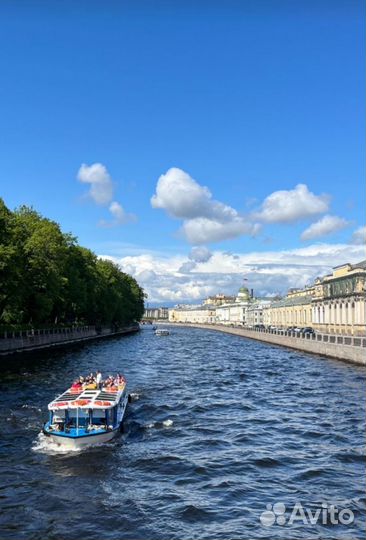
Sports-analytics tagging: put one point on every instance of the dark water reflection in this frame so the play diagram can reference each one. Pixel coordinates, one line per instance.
(220, 427)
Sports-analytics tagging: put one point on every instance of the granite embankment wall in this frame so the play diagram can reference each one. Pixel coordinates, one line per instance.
(347, 348)
(36, 340)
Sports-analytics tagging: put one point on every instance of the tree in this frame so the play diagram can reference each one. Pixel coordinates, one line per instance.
(47, 278)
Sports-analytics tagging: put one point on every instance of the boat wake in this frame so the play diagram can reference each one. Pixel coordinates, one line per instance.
(31, 407)
(44, 445)
(165, 423)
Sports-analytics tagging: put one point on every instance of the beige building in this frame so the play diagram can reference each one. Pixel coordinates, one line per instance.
(204, 314)
(218, 300)
(222, 310)
(293, 310)
(339, 303)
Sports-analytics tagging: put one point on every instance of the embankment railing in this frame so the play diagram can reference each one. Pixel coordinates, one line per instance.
(338, 339)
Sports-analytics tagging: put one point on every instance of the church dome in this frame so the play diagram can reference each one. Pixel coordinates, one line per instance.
(243, 294)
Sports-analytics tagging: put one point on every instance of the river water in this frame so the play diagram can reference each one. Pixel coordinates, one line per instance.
(220, 427)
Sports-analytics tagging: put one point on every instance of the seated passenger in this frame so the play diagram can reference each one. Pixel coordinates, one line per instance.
(121, 378)
(76, 385)
(90, 386)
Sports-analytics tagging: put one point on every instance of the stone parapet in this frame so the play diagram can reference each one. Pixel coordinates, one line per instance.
(347, 348)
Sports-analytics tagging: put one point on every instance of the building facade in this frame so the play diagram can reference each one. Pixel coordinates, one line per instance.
(235, 313)
(255, 313)
(218, 300)
(335, 304)
(202, 314)
(295, 309)
(156, 313)
(339, 303)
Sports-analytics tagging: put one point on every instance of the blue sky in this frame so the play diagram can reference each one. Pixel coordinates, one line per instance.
(247, 98)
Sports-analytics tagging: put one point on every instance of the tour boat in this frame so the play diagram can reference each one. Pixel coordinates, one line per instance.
(83, 417)
(162, 332)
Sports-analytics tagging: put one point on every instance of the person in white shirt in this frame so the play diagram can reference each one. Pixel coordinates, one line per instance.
(98, 379)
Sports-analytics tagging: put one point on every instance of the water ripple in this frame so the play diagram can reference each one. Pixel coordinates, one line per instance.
(219, 427)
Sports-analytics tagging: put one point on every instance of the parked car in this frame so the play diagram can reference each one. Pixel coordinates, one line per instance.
(307, 330)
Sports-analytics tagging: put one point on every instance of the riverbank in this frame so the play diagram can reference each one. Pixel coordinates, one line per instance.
(28, 342)
(348, 349)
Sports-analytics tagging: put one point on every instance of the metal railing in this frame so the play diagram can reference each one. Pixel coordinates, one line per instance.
(353, 341)
(27, 339)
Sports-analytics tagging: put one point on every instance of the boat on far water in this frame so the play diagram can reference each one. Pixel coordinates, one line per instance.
(86, 415)
(162, 332)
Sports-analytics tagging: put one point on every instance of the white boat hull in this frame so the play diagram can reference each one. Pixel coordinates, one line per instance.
(77, 443)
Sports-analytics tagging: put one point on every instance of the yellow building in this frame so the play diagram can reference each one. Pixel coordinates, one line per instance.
(339, 303)
(218, 300)
(293, 310)
(205, 314)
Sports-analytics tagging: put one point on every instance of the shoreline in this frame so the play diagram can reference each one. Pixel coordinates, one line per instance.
(348, 353)
(31, 344)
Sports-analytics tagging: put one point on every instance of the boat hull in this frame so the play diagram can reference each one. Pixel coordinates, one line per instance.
(77, 443)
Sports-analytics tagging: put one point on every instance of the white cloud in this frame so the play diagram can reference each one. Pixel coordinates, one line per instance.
(187, 267)
(205, 219)
(325, 226)
(101, 185)
(203, 230)
(287, 206)
(120, 216)
(197, 255)
(359, 236)
(200, 254)
(170, 279)
(181, 196)
(101, 191)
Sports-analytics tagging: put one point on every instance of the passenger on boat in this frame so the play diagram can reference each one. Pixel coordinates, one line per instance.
(76, 385)
(109, 382)
(98, 380)
(120, 379)
(90, 385)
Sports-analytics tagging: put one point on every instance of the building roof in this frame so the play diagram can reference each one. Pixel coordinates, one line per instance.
(203, 307)
(361, 264)
(294, 301)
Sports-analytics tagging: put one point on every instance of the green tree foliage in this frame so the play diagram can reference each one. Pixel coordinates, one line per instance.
(47, 278)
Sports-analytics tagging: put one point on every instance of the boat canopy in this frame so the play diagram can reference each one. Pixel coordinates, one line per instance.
(106, 398)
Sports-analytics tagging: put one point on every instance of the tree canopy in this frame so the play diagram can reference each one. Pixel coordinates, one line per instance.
(47, 278)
